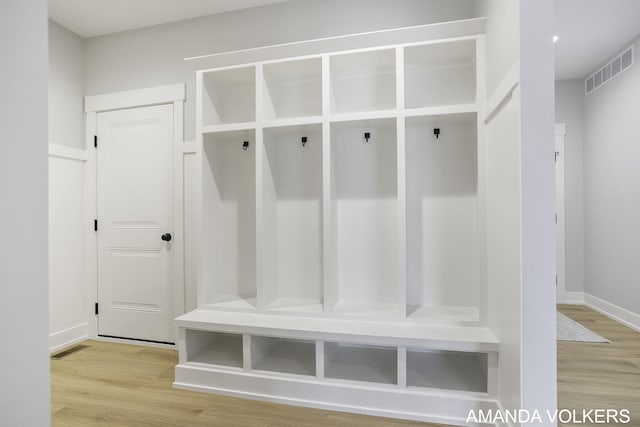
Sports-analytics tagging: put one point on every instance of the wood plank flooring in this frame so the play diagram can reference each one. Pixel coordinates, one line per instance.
(112, 384)
(126, 385)
(596, 375)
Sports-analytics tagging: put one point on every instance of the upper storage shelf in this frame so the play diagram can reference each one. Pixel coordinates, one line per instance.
(292, 89)
(229, 96)
(364, 81)
(440, 74)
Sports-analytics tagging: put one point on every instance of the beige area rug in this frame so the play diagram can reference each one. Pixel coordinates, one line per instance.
(570, 330)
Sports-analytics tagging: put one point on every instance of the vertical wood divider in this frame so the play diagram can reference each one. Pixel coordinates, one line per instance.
(246, 352)
(260, 159)
(320, 360)
(201, 290)
(328, 242)
(492, 374)
(402, 367)
(401, 185)
(481, 185)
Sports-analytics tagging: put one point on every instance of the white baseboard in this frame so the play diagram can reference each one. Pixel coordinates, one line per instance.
(572, 298)
(613, 311)
(67, 337)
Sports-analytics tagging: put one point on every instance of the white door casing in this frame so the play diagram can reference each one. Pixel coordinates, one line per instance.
(135, 209)
(171, 97)
(560, 220)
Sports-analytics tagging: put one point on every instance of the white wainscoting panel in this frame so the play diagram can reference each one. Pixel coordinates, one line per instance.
(67, 258)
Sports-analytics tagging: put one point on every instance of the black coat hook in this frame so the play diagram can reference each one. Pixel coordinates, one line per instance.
(245, 145)
(367, 135)
(436, 132)
(303, 140)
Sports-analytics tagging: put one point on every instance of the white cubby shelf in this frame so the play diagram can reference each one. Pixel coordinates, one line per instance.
(341, 232)
(304, 356)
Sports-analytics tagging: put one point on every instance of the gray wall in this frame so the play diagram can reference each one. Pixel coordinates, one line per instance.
(612, 190)
(569, 110)
(66, 87)
(24, 359)
(154, 56)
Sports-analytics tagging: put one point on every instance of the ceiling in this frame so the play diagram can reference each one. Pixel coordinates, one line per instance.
(89, 18)
(590, 31)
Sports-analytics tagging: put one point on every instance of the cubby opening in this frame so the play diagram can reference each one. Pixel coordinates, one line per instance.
(229, 219)
(440, 74)
(214, 348)
(283, 355)
(442, 222)
(364, 207)
(229, 96)
(292, 218)
(293, 89)
(361, 363)
(364, 81)
(447, 370)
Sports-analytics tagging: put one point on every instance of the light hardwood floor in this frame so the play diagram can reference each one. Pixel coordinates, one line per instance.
(600, 376)
(128, 385)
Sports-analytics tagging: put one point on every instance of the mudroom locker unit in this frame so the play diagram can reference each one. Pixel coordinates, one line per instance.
(342, 226)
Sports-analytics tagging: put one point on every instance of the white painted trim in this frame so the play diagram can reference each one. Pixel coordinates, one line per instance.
(478, 24)
(91, 241)
(502, 94)
(69, 153)
(434, 406)
(499, 423)
(178, 214)
(135, 98)
(560, 211)
(137, 343)
(619, 314)
(66, 337)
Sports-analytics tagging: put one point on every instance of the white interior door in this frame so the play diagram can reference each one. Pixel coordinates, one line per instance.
(560, 239)
(135, 214)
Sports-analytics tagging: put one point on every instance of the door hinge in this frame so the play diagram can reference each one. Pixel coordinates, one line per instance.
(95, 141)
(95, 225)
(96, 309)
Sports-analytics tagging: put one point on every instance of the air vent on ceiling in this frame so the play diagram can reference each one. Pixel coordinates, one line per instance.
(611, 70)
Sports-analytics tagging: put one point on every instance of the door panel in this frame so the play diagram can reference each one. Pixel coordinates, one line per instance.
(135, 208)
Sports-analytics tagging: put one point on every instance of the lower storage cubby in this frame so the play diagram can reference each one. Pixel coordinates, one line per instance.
(283, 355)
(361, 363)
(447, 370)
(214, 348)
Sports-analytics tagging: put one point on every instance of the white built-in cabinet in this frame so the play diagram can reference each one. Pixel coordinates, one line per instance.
(341, 233)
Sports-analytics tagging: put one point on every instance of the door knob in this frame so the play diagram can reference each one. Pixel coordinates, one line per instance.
(166, 237)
